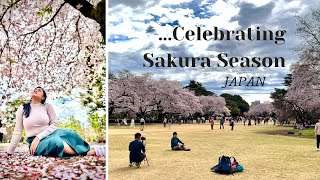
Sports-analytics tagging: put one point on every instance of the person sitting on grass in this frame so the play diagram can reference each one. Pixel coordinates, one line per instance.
(40, 122)
(137, 151)
(175, 143)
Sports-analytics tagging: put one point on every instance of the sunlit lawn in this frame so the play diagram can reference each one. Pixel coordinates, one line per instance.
(263, 156)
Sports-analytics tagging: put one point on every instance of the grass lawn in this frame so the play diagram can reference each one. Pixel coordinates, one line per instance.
(305, 132)
(264, 156)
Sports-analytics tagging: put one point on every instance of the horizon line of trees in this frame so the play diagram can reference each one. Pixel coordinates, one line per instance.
(133, 95)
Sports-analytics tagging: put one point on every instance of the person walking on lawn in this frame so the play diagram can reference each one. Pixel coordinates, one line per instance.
(317, 133)
(44, 137)
(222, 122)
(212, 122)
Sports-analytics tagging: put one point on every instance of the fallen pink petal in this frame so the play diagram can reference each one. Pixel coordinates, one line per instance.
(22, 165)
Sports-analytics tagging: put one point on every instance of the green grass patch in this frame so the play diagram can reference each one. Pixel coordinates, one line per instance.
(305, 132)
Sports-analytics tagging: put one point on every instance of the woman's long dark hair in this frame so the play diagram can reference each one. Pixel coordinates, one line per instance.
(27, 107)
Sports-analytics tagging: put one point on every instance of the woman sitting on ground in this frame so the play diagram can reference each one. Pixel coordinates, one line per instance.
(45, 138)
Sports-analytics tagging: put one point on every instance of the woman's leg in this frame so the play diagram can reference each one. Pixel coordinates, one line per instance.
(68, 150)
(91, 152)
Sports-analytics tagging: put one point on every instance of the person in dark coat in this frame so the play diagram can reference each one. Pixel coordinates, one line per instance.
(137, 151)
(1, 134)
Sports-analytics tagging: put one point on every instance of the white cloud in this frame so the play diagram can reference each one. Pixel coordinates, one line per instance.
(133, 23)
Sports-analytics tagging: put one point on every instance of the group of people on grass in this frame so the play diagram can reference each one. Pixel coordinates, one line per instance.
(168, 121)
(132, 124)
(138, 150)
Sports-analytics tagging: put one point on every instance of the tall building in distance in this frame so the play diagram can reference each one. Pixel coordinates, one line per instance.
(257, 102)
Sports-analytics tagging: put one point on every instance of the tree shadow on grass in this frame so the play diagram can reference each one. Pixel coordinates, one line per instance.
(285, 133)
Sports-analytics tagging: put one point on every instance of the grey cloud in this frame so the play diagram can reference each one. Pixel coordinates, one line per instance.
(250, 14)
(133, 3)
(150, 29)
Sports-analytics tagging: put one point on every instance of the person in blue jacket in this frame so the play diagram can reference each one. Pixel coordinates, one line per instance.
(175, 143)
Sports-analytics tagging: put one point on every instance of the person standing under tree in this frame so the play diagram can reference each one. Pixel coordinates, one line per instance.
(222, 122)
(132, 123)
(164, 122)
(1, 134)
(212, 122)
(142, 122)
(232, 121)
(317, 133)
(124, 122)
(170, 122)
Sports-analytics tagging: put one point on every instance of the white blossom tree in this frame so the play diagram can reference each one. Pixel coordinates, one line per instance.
(142, 94)
(304, 92)
(54, 44)
(263, 109)
(213, 104)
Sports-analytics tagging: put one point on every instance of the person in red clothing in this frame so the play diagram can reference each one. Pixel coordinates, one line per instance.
(212, 122)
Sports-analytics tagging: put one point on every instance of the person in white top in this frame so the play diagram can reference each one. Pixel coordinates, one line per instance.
(142, 122)
(317, 133)
(132, 123)
(40, 122)
(164, 122)
(124, 122)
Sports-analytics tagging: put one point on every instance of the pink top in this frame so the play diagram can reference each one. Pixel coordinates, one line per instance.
(41, 122)
(212, 121)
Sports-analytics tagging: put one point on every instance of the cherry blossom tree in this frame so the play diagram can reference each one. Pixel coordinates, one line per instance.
(54, 44)
(304, 92)
(213, 104)
(263, 109)
(131, 94)
(142, 94)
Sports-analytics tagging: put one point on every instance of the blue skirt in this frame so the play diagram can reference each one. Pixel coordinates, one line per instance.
(52, 145)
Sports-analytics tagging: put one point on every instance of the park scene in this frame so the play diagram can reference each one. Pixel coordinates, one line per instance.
(52, 89)
(178, 123)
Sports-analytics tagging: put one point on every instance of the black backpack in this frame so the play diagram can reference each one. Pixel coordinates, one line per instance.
(224, 165)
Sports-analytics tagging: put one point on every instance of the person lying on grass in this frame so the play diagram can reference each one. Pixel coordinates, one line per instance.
(40, 122)
(175, 143)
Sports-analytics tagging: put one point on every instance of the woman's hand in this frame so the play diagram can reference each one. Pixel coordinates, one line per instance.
(34, 145)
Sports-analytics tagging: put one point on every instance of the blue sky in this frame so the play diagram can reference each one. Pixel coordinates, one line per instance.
(135, 28)
(67, 107)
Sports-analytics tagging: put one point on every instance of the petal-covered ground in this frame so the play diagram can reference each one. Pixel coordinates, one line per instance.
(22, 165)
